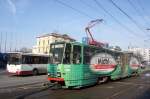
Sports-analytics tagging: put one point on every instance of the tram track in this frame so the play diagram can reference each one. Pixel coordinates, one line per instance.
(119, 93)
(46, 86)
(21, 85)
(129, 83)
(38, 88)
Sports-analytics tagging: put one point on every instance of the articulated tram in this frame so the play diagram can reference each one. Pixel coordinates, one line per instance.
(74, 65)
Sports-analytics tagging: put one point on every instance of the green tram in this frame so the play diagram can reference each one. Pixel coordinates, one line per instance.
(74, 65)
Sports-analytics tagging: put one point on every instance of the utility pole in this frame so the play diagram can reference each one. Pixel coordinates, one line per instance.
(16, 41)
(1, 42)
(11, 42)
(5, 42)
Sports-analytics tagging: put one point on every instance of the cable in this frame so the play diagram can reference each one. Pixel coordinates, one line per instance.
(138, 12)
(123, 26)
(129, 17)
(116, 20)
(82, 13)
(139, 3)
(86, 4)
(93, 8)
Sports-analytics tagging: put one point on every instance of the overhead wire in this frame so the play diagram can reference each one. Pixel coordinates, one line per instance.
(140, 4)
(124, 27)
(128, 16)
(116, 20)
(90, 6)
(81, 12)
(142, 8)
(87, 15)
(138, 12)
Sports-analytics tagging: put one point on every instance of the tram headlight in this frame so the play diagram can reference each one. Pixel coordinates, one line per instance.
(49, 74)
(58, 74)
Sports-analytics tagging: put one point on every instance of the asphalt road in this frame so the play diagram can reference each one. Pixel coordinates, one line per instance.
(128, 88)
(8, 80)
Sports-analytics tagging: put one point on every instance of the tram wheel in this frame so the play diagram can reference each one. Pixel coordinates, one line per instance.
(102, 80)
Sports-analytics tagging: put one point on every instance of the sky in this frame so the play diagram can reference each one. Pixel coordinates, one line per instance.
(21, 21)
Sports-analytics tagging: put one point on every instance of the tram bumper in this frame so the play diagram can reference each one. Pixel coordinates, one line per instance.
(56, 79)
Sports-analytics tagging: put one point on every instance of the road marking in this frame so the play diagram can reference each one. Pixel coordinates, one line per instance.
(110, 87)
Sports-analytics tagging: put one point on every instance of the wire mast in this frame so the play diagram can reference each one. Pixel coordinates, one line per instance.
(91, 40)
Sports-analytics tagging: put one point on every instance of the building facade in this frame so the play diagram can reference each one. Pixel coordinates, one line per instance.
(43, 42)
(144, 52)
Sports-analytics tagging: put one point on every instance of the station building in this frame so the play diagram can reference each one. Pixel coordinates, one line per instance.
(43, 42)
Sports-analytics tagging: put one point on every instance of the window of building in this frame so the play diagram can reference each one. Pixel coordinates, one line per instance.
(48, 42)
(39, 50)
(43, 42)
(39, 43)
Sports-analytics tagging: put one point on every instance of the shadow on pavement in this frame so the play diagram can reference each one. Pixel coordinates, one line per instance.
(145, 95)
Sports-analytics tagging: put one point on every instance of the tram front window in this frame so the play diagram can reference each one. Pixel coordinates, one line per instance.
(57, 53)
(67, 54)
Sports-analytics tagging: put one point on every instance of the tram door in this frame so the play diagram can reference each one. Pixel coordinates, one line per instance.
(124, 62)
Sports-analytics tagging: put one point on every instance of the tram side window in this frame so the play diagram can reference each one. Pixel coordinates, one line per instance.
(77, 54)
(86, 55)
(88, 52)
(66, 59)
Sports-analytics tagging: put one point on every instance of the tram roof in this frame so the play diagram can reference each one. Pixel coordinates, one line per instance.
(82, 44)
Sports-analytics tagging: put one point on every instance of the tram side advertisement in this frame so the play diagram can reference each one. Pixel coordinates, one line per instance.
(103, 63)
